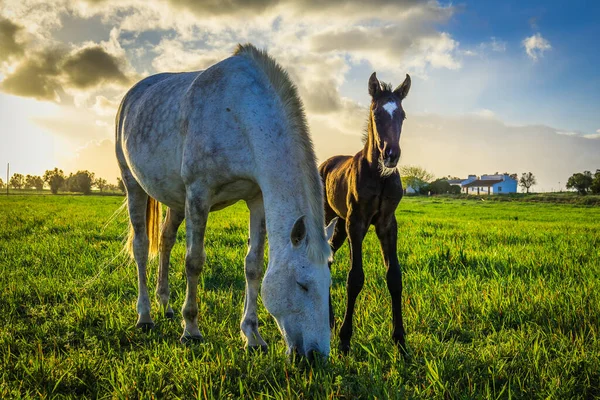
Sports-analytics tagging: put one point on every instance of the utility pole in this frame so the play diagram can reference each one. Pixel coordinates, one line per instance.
(7, 172)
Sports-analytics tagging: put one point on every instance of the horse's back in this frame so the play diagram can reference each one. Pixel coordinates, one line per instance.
(332, 164)
(196, 128)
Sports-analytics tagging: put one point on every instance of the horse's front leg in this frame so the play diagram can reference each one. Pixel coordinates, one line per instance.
(356, 230)
(167, 240)
(387, 232)
(253, 269)
(196, 216)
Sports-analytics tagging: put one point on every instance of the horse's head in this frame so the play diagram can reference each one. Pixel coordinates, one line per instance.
(387, 116)
(295, 290)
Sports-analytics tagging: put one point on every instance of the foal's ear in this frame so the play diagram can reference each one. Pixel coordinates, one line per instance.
(374, 86)
(331, 228)
(402, 90)
(298, 232)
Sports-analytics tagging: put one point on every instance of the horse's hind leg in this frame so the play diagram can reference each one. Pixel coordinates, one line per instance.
(168, 236)
(336, 241)
(137, 201)
(253, 269)
(196, 215)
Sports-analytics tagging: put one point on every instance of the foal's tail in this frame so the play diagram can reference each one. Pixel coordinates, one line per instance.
(153, 222)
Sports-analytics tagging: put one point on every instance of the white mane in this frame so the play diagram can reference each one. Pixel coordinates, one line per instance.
(318, 247)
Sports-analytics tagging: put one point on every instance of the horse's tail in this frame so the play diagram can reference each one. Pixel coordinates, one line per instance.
(153, 222)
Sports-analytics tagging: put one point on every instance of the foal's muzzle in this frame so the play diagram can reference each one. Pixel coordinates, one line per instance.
(391, 157)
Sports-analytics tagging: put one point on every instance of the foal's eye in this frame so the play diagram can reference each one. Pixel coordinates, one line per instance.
(304, 287)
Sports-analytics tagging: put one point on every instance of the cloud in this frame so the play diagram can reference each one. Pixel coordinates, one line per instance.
(105, 107)
(535, 46)
(495, 45)
(567, 133)
(392, 46)
(46, 74)
(485, 113)
(91, 66)
(36, 76)
(593, 135)
(175, 56)
(9, 39)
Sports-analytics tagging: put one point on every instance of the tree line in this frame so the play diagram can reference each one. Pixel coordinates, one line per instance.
(56, 180)
(585, 182)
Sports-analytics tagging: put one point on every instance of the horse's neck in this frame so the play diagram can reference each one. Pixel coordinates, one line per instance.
(370, 151)
(285, 200)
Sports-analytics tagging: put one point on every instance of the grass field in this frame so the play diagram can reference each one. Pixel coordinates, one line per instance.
(501, 300)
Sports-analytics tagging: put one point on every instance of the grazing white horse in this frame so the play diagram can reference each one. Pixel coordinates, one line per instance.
(200, 141)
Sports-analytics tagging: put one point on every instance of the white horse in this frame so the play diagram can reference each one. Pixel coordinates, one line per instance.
(200, 141)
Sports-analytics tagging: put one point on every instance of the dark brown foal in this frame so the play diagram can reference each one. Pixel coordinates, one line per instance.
(364, 190)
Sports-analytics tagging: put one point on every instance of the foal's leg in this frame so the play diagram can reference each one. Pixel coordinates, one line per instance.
(196, 216)
(137, 201)
(253, 268)
(337, 240)
(387, 232)
(168, 236)
(356, 278)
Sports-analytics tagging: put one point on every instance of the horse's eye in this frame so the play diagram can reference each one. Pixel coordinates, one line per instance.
(304, 287)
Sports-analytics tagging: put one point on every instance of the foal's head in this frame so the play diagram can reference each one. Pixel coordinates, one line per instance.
(387, 116)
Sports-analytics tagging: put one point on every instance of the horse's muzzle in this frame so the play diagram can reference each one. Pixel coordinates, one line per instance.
(391, 157)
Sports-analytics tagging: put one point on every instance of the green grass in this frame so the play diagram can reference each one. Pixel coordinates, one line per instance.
(501, 300)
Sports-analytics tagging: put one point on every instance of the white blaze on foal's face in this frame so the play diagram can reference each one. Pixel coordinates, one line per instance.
(295, 291)
(390, 108)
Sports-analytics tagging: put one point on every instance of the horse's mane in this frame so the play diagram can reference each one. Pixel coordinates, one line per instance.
(318, 247)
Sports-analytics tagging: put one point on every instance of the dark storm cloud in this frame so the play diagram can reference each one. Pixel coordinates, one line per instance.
(36, 76)
(9, 45)
(44, 74)
(92, 66)
(230, 7)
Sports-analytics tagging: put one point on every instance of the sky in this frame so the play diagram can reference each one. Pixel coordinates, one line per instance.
(511, 86)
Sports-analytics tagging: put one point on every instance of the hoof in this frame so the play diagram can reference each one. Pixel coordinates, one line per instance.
(145, 326)
(190, 340)
(401, 345)
(261, 348)
(344, 348)
(170, 315)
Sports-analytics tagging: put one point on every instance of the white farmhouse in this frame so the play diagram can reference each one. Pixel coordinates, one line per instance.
(486, 184)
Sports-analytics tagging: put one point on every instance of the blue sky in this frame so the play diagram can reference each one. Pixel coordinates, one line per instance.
(497, 86)
(562, 88)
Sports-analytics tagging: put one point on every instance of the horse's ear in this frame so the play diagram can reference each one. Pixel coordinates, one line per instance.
(374, 86)
(298, 232)
(402, 90)
(331, 228)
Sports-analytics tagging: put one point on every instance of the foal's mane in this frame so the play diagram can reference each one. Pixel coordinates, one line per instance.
(318, 247)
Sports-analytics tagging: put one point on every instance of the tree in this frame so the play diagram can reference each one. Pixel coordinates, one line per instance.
(81, 182)
(34, 181)
(527, 180)
(1, 184)
(101, 184)
(17, 181)
(55, 179)
(440, 186)
(595, 183)
(121, 185)
(415, 177)
(581, 182)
